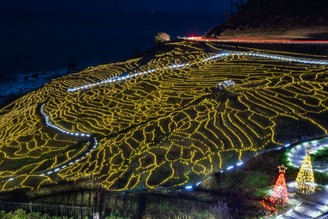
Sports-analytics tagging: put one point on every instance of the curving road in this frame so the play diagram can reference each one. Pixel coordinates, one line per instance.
(297, 154)
(314, 205)
(251, 40)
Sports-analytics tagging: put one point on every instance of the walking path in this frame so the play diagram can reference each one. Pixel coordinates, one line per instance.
(93, 143)
(316, 204)
(310, 206)
(297, 154)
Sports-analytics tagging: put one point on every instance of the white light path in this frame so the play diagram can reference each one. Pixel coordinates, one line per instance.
(63, 166)
(66, 164)
(216, 56)
(123, 78)
(296, 155)
(237, 165)
(71, 162)
(77, 134)
(50, 124)
(317, 207)
(188, 187)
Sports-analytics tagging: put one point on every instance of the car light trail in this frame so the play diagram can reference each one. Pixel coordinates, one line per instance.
(250, 40)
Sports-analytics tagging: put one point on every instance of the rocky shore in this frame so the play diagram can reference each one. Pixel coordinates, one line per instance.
(20, 84)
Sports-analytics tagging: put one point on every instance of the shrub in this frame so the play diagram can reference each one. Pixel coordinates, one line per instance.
(162, 37)
(21, 214)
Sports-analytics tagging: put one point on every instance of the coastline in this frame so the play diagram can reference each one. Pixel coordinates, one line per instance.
(20, 84)
(98, 39)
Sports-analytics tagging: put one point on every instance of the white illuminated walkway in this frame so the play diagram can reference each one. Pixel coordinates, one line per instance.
(51, 124)
(209, 58)
(309, 206)
(90, 148)
(297, 154)
(237, 165)
(314, 205)
(93, 145)
(74, 160)
(123, 78)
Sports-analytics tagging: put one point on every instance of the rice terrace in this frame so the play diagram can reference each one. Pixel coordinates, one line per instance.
(167, 120)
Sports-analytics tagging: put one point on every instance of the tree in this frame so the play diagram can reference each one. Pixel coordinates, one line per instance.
(162, 37)
(71, 67)
(305, 179)
(280, 195)
(239, 5)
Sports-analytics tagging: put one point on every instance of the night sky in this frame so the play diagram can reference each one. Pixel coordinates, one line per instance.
(118, 5)
(44, 35)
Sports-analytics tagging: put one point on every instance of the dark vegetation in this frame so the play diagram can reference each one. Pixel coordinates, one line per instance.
(276, 13)
(245, 188)
(156, 204)
(320, 161)
(302, 49)
(21, 214)
(321, 156)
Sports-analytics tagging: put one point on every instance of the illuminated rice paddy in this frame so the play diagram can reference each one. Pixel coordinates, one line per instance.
(163, 123)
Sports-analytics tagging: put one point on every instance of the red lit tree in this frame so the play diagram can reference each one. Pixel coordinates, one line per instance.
(280, 195)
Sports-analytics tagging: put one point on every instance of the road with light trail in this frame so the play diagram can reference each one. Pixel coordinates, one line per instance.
(252, 40)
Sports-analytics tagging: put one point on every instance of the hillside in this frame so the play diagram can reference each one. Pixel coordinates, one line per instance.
(273, 18)
(190, 110)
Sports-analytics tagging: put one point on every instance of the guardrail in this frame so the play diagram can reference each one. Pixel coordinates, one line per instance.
(53, 210)
(323, 216)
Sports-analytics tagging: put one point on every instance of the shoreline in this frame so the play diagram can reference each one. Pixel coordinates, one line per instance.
(20, 84)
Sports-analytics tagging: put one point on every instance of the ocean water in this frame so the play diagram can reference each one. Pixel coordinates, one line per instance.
(41, 42)
(36, 47)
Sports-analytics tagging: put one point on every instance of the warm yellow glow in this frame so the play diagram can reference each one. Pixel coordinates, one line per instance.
(162, 128)
(305, 179)
(282, 169)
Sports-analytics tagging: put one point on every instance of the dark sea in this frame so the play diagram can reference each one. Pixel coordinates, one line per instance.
(40, 42)
(37, 47)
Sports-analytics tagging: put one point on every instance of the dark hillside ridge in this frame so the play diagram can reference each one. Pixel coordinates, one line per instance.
(277, 13)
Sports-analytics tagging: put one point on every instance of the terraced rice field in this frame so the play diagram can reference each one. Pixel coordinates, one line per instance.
(164, 122)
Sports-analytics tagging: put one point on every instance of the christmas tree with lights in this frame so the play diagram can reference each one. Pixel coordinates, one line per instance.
(305, 179)
(280, 195)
